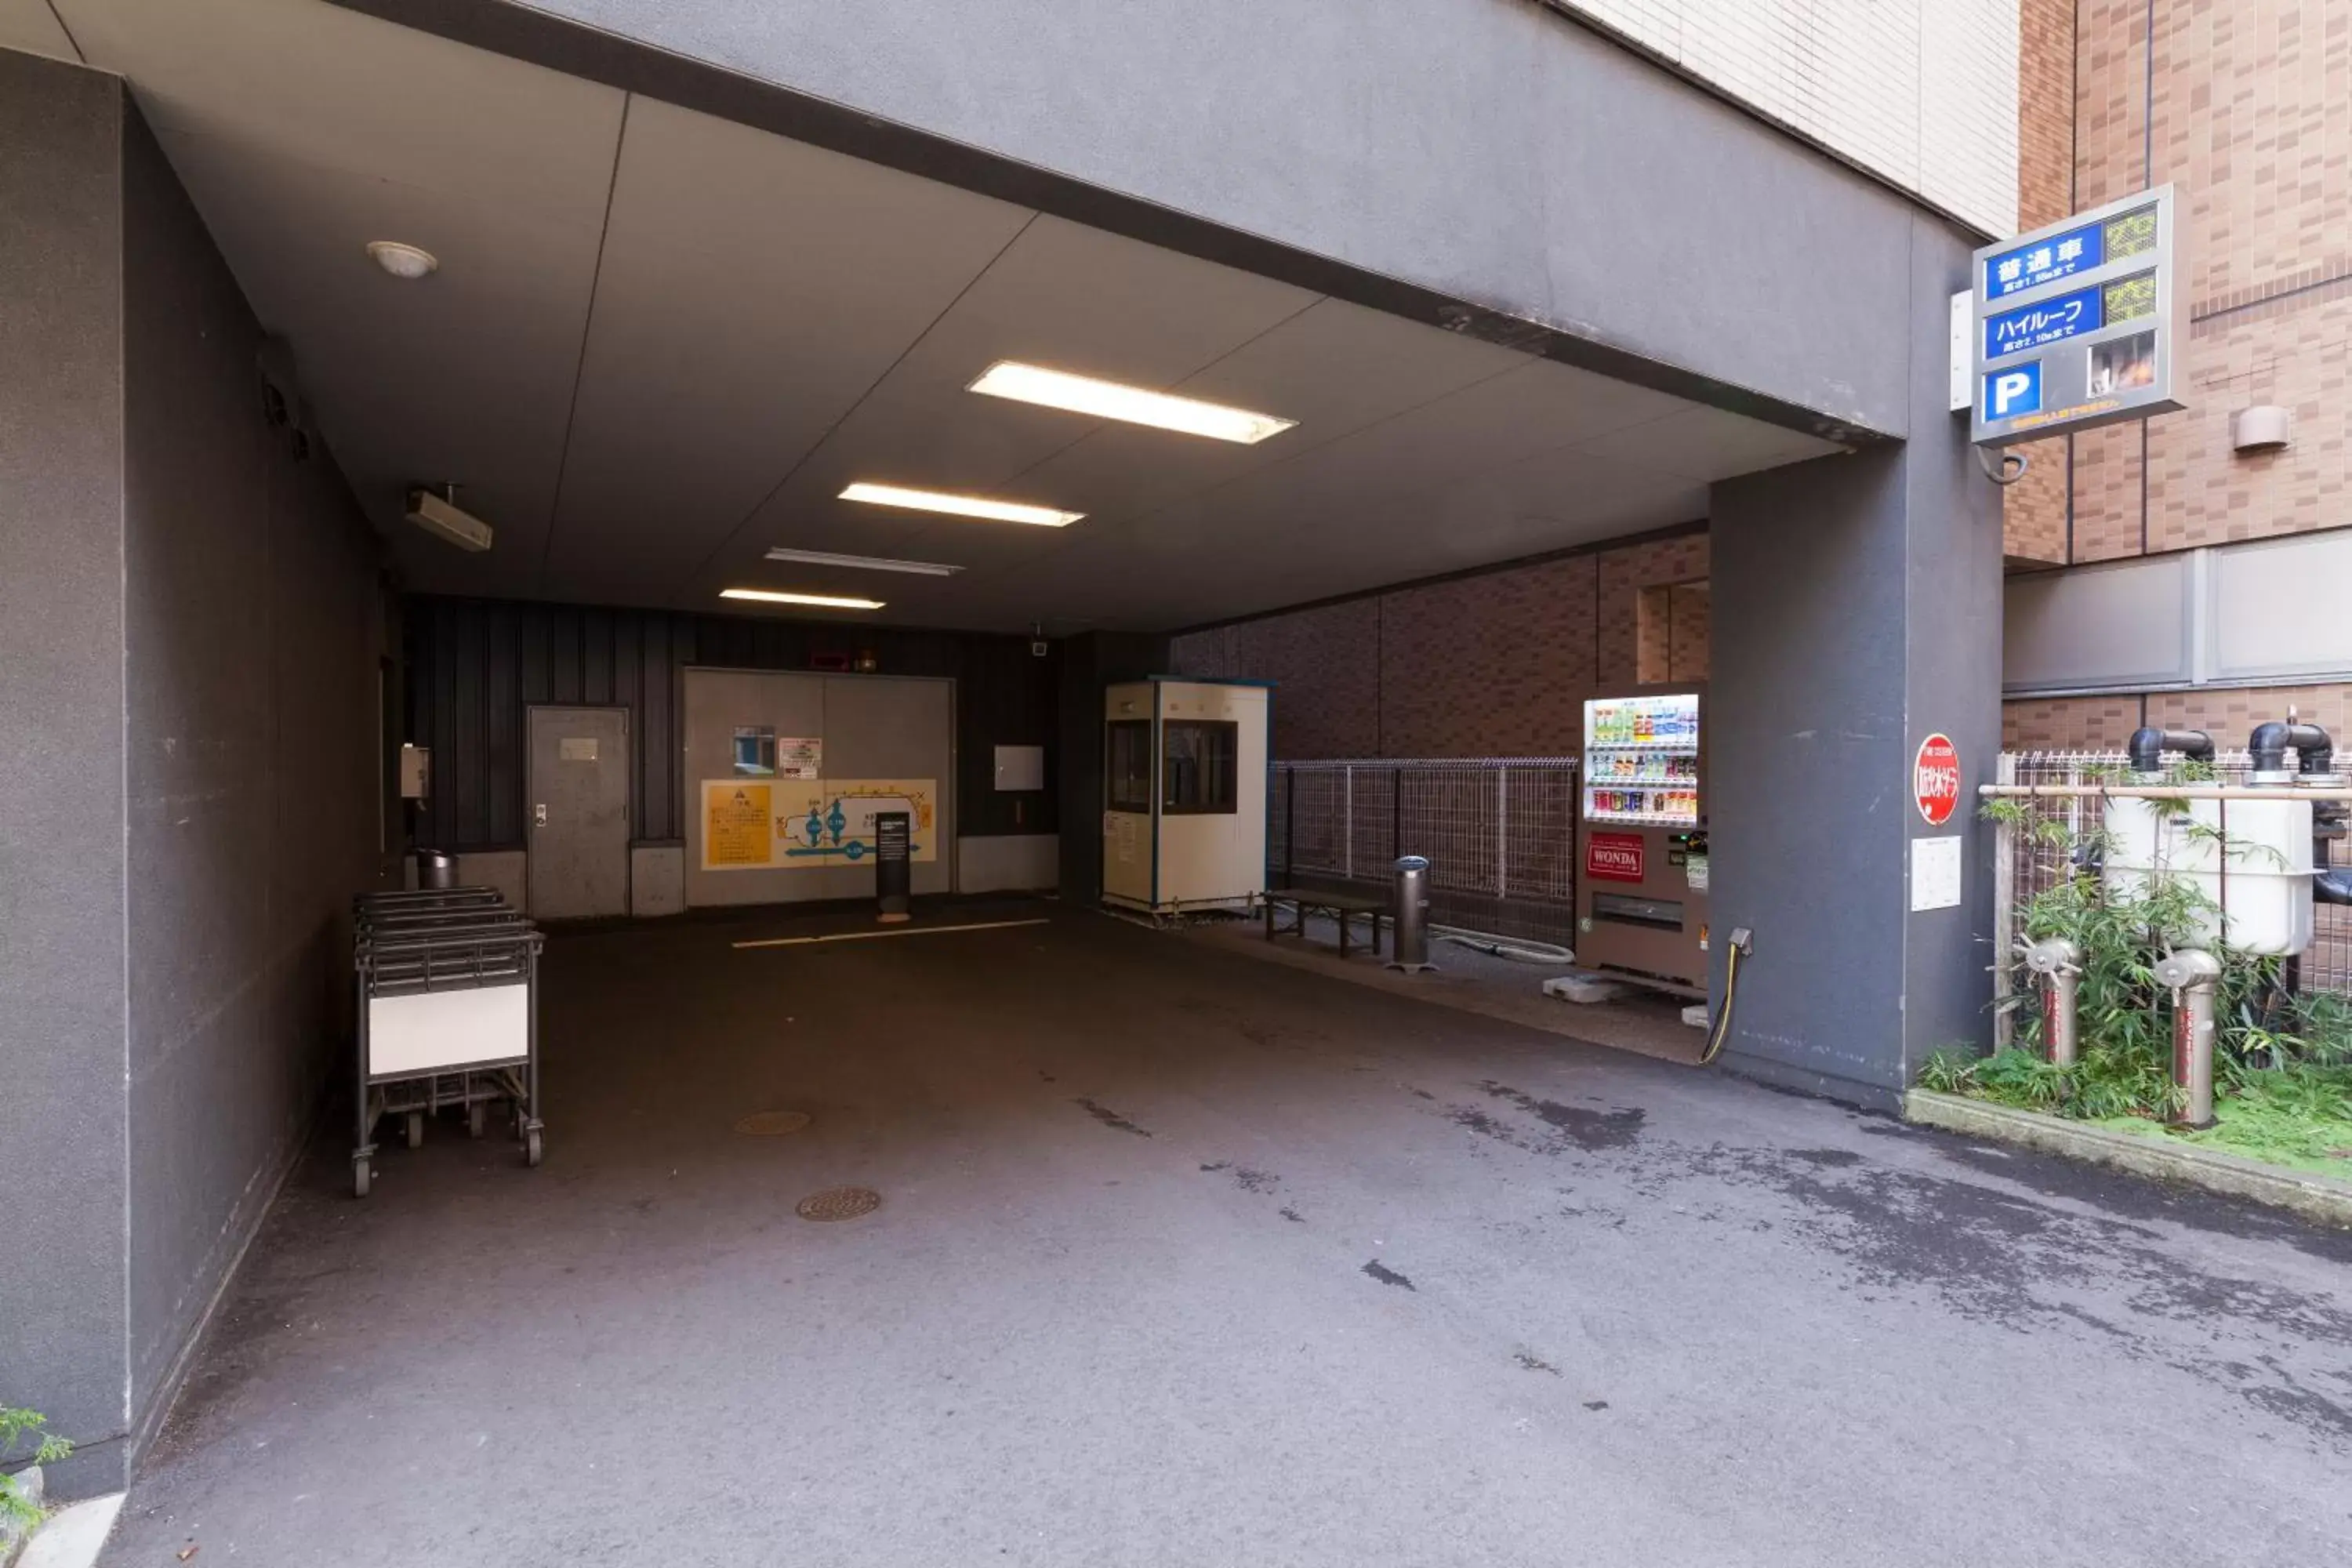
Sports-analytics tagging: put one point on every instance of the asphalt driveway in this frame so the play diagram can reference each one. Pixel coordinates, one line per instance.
(1183, 1258)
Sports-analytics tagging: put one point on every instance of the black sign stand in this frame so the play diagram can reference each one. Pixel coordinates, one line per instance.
(891, 832)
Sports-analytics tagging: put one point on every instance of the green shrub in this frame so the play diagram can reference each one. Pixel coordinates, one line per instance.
(24, 1442)
(2293, 1049)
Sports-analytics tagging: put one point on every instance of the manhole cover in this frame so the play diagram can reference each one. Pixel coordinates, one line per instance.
(772, 1123)
(839, 1203)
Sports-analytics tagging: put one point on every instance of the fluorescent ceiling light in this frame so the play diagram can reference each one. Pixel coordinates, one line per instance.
(961, 506)
(1109, 400)
(822, 601)
(864, 563)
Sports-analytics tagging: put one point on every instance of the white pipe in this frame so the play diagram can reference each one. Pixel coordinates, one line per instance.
(2159, 791)
(1505, 946)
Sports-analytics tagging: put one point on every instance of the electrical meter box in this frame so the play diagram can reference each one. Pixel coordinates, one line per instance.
(415, 771)
(1184, 771)
(1642, 864)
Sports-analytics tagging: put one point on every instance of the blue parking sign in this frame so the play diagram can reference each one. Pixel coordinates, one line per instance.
(2011, 392)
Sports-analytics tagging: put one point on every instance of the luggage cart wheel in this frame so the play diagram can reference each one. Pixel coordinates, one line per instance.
(416, 1129)
(359, 1177)
(478, 1118)
(530, 1147)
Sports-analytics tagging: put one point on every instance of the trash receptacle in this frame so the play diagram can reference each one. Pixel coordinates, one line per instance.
(436, 869)
(1409, 916)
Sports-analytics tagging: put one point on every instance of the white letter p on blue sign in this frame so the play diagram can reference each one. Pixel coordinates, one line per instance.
(2010, 393)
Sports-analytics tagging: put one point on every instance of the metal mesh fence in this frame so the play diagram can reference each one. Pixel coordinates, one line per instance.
(1499, 834)
(2032, 869)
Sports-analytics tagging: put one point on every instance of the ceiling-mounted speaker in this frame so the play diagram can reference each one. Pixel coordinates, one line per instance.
(442, 518)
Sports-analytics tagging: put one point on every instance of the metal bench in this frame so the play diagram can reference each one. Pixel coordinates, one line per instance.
(1343, 909)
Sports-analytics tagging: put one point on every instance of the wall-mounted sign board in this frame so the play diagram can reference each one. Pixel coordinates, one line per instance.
(2080, 325)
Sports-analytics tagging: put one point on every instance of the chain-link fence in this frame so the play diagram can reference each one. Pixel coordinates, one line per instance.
(2029, 864)
(1499, 834)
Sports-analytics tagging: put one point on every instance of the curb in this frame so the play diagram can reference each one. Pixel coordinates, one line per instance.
(2317, 1197)
(73, 1536)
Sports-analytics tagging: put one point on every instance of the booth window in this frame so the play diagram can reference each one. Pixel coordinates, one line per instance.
(1130, 764)
(1200, 775)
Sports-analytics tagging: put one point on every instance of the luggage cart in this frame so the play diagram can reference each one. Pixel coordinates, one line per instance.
(448, 1015)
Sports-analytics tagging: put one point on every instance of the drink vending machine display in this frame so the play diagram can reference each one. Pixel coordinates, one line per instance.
(1642, 873)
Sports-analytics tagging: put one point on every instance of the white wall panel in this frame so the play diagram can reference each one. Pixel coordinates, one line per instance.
(2278, 608)
(1920, 92)
(2234, 615)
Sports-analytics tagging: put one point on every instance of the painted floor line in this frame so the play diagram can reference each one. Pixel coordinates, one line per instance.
(901, 931)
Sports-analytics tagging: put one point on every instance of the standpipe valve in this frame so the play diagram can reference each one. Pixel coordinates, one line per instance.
(2193, 977)
(2060, 964)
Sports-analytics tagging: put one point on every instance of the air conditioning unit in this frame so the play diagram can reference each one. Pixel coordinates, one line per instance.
(443, 518)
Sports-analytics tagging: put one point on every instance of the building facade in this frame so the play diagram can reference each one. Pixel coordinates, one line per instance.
(2152, 565)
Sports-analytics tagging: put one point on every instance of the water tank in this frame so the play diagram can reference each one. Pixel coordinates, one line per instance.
(2249, 860)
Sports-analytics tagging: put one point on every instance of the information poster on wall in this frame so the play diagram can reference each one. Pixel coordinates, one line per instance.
(800, 758)
(738, 825)
(829, 822)
(811, 823)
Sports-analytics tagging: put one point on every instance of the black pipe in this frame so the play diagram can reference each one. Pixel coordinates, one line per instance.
(2149, 746)
(2333, 885)
(2315, 752)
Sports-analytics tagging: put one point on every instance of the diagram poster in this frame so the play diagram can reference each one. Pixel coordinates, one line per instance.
(737, 826)
(830, 822)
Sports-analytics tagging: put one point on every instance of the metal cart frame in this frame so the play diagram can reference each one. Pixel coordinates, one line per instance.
(414, 944)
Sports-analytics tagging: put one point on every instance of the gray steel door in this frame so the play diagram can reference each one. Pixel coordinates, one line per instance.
(576, 820)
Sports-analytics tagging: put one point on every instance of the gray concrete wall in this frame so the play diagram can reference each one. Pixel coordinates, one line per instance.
(250, 644)
(61, 852)
(1857, 609)
(189, 627)
(1490, 151)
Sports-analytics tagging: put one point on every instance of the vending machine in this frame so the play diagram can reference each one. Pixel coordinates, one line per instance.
(1642, 869)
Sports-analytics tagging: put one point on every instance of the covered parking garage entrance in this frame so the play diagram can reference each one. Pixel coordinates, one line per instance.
(852, 465)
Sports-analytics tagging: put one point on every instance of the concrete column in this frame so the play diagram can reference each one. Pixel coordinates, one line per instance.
(63, 1158)
(1857, 610)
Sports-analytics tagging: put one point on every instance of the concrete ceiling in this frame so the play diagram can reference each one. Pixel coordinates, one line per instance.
(660, 343)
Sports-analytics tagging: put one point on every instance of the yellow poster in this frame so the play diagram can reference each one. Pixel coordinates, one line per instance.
(737, 826)
(830, 822)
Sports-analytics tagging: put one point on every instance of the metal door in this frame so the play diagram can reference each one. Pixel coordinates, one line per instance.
(576, 820)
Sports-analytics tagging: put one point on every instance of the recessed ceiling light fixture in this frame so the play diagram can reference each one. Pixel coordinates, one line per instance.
(864, 563)
(961, 506)
(402, 260)
(1135, 405)
(821, 601)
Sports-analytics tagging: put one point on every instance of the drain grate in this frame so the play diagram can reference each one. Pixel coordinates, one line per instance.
(839, 1203)
(772, 1123)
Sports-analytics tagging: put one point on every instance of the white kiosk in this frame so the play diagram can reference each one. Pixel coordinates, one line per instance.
(1184, 767)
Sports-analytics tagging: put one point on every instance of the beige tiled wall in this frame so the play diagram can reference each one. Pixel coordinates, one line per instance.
(2250, 123)
(2033, 510)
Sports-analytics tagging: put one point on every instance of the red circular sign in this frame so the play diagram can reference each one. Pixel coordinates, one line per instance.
(1936, 779)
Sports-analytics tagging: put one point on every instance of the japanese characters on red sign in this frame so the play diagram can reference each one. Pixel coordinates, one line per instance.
(1936, 779)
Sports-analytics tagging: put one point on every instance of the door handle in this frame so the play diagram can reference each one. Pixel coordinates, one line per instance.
(538, 816)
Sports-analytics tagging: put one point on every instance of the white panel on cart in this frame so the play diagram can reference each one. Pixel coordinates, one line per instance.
(436, 1030)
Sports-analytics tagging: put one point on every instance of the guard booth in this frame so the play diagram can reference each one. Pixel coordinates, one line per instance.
(1184, 768)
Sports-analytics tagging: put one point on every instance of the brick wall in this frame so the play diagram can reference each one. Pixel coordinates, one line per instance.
(2227, 714)
(1494, 665)
(2249, 121)
(2241, 105)
(2033, 510)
